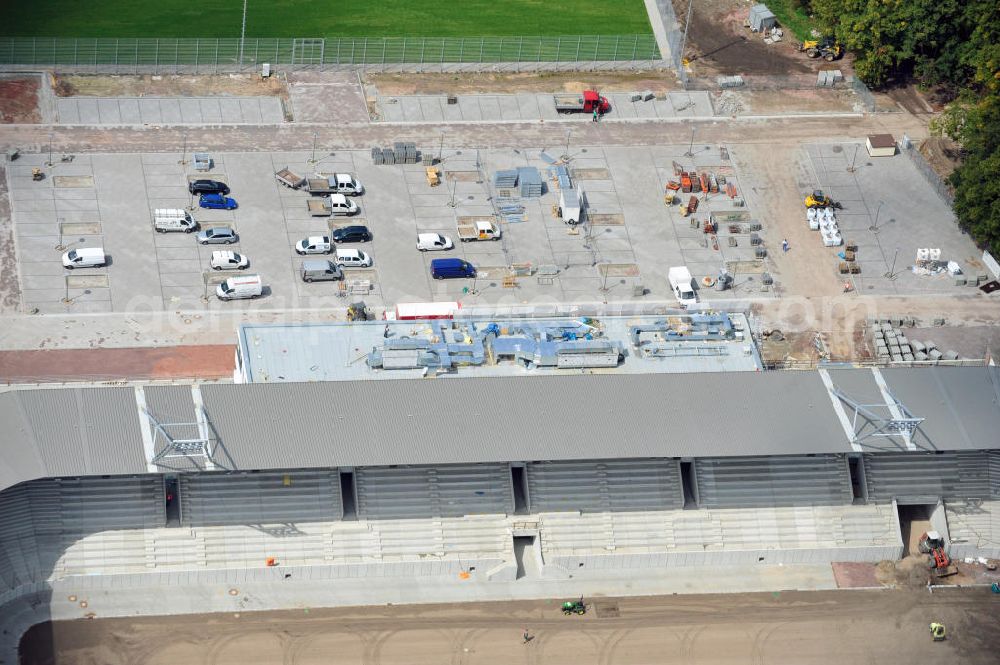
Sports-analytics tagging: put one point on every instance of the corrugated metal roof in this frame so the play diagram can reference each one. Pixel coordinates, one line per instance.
(81, 431)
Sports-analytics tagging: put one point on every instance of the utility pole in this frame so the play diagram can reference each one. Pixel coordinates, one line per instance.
(690, 152)
(874, 227)
(892, 269)
(851, 168)
(243, 32)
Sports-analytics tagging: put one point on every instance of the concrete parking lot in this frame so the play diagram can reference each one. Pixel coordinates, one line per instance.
(529, 106)
(168, 110)
(889, 211)
(621, 253)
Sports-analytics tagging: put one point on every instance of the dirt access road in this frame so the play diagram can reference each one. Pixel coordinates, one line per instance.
(799, 628)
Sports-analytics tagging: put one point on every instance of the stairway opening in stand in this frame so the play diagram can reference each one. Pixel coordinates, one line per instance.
(172, 501)
(347, 495)
(914, 521)
(519, 481)
(857, 480)
(688, 484)
(524, 554)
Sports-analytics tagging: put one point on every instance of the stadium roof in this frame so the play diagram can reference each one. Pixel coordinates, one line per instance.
(106, 431)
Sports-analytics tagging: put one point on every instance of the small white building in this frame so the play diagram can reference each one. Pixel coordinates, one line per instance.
(881, 145)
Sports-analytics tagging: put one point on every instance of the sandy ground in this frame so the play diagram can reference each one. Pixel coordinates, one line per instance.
(167, 85)
(486, 83)
(798, 628)
(98, 364)
(19, 99)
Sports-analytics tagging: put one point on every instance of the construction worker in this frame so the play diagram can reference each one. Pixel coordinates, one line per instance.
(937, 631)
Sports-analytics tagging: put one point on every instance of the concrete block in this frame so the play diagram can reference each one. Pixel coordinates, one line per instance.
(949, 355)
(920, 355)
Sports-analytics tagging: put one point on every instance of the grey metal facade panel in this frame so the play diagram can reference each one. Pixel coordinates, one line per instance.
(110, 421)
(53, 416)
(366, 423)
(961, 405)
(170, 404)
(19, 458)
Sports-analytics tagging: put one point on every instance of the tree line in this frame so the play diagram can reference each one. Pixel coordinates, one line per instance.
(953, 45)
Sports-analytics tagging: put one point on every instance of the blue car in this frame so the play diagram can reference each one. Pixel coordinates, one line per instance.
(217, 202)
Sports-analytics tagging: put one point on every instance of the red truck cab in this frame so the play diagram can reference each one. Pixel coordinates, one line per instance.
(592, 99)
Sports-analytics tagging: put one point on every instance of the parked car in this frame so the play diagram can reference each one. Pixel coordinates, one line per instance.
(351, 234)
(244, 286)
(353, 258)
(217, 235)
(208, 187)
(173, 219)
(314, 245)
(217, 202)
(451, 268)
(433, 242)
(321, 271)
(227, 260)
(84, 257)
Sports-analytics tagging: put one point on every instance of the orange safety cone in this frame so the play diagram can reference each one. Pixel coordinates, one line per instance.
(270, 561)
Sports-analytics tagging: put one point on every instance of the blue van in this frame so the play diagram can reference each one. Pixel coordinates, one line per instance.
(451, 268)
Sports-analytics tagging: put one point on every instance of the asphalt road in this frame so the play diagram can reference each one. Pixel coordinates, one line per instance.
(800, 628)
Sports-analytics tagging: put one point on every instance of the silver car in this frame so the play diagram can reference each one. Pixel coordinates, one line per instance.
(217, 235)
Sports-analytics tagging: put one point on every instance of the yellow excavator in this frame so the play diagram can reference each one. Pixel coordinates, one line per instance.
(826, 48)
(820, 200)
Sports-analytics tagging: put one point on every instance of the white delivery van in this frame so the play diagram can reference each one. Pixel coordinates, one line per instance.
(682, 286)
(245, 286)
(341, 205)
(227, 260)
(173, 219)
(84, 257)
(353, 258)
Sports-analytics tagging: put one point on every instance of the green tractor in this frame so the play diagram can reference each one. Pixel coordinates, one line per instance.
(574, 607)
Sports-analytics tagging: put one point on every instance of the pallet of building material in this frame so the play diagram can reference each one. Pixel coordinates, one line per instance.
(703, 181)
(726, 82)
(713, 184)
(530, 182)
(732, 241)
(506, 179)
(678, 169)
(695, 182)
(735, 228)
(855, 267)
(692, 205)
(755, 239)
(685, 182)
(730, 190)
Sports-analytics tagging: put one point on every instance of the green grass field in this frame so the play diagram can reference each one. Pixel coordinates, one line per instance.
(322, 18)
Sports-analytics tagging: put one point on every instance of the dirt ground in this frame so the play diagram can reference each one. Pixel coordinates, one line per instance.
(943, 154)
(97, 364)
(767, 102)
(804, 628)
(19, 100)
(717, 43)
(466, 83)
(167, 85)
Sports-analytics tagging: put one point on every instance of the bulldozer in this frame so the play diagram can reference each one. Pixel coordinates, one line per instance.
(826, 48)
(820, 200)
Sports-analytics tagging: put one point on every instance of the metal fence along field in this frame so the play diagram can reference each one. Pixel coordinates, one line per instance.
(236, 53)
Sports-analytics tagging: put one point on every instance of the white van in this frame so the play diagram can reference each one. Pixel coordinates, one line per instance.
(226, 260)
(85, 257)
(173, 219)
(245, 286)
(353, 258)
(339, 204)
